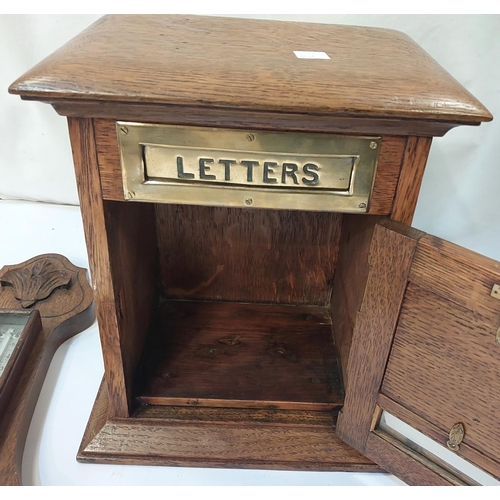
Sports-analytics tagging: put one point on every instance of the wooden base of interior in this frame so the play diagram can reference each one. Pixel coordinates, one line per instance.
(236, 355)
(224, 438)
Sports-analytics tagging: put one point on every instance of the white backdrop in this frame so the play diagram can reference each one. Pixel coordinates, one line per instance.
(461, 189)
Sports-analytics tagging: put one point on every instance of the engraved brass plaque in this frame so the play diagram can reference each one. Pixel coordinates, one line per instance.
(241, 168)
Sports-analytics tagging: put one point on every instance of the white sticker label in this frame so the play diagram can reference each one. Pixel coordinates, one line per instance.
(306, 54)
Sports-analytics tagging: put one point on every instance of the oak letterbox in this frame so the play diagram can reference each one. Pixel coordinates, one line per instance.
(246, 190)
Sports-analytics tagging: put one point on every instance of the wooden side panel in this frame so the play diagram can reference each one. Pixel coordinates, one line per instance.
(410, 179)
(391, 254)
(123, 259)
(135, 271)
(386, 179)
(349, 282)
(94, 224)
(274, 256)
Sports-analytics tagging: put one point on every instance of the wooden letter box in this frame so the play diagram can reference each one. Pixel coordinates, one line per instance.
(261, 298)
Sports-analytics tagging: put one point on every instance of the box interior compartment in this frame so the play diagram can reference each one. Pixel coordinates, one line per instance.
(236, 306)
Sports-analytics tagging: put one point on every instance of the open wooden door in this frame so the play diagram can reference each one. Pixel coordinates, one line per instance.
(423, 374)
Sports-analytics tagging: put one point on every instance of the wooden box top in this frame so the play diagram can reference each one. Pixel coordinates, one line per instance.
(248, 64)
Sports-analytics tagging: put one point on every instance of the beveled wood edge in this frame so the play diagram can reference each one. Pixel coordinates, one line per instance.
(248, 118)
(99, 419)
(98, 415)
(114, 459)
(406, 464)
(231, 416)
(467, 452)
(455, 102)
(55, 96)
(237, 403)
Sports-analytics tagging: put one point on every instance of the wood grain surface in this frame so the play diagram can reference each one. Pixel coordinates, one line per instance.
(131, 236)
(215, 116)
(230, 416)
(223, 441)
(440, 367)
(391, 253)
(457, 274)
(250, 64)
(64, 313)
(409, 466)
(261, 356)
(436, 433)
(242, 73)
(349, 284)
(445, 367)
(250, 255)
(94, 225)
(410, 179)
(386, 178)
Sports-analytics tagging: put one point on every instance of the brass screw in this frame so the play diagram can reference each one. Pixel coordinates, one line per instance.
(373, 145)
(124, 130)
(250, 137)
(248, 201)
(362, 205)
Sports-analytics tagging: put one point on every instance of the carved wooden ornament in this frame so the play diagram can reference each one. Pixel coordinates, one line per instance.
(61, 293)
(36, 281)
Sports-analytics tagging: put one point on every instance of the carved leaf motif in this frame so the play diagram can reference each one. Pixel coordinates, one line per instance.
(37, 282)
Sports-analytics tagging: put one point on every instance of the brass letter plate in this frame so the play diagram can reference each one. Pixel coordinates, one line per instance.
(233, 168)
